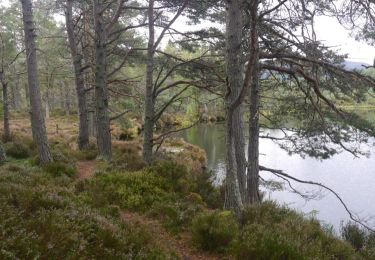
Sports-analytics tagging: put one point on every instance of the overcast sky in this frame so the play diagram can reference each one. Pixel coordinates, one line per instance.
(331, 33)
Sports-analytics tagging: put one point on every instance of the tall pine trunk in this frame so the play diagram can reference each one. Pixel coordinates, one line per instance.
(149, 98)
(83, 134)
(233, 197)
(101, 92)
(37, 119)
(6, 135)
(253, 147)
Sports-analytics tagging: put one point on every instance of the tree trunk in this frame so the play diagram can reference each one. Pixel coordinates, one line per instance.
(47, 106)
(68, 106)
(101, 91)
(233, 197)
(16, 93)
(2, 154)
(149, 98)
(253, 147)
(37, 119)
(27, 95)
(235, 83)
(83, 134)
(6, 136)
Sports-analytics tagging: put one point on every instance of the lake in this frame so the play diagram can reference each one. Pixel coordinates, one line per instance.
(352, 178)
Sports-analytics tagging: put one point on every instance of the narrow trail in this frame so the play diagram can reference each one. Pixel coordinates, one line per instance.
(180, 244)
(86, 169)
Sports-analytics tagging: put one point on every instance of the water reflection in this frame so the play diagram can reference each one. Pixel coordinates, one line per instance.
(353, 178)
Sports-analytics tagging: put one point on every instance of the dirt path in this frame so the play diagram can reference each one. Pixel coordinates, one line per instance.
(180, 245)
(86, 169)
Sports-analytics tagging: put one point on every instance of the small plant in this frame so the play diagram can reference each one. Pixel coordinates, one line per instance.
(352, 233)
(60, 169)
(215, 231)
(17, 150)
(361, 239)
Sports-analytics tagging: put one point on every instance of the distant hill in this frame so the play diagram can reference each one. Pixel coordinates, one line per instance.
(354, 65)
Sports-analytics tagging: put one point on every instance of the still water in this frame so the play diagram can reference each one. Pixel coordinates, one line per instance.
(352, 178)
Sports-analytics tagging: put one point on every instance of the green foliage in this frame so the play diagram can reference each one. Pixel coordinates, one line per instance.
(130, 190)
(274, 232)
(17, 150)
(354, 235)
(177, 176)
(361, 239)
(42, 218)
(58, 168)
(126, 157)
(215, 231)
(261, 242)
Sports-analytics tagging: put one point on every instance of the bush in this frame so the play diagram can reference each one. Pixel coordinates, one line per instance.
(360, 238)
(130, 190)
(276, 232)
(60, 168)
(176, 175)
(17, 150)
(215, 231)
(127, 157)
(177, 215)
(41, 218)
(261, 242)
(356, 236)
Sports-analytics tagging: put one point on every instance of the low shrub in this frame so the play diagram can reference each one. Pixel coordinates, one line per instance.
(59, 168)
(360, 238)
(177, 215)
(176, 175)
(261, 242)
(356, 236)
(271, 231)
(215, 231)
(126, 157)
(17, 150)
(130, 190)
(42, 218)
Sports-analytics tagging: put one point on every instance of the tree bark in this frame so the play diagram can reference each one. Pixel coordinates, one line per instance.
(37, 119)
(2, 153)
(16, 94)
(149, 98)
(47, 106)
(101, 92)
(233, 197)
(235, 83)
(253, 146)
(83, 134)
(6, 135)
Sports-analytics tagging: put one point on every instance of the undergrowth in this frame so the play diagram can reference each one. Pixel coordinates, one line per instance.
(47, 213)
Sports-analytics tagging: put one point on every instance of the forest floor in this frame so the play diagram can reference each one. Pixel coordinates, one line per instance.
(90, 209)
(181, 244)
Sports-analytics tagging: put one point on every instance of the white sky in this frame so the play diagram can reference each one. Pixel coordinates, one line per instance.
(331, 33)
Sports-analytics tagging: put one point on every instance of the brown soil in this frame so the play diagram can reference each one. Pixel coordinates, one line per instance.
(180, 244)
(86, 169)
